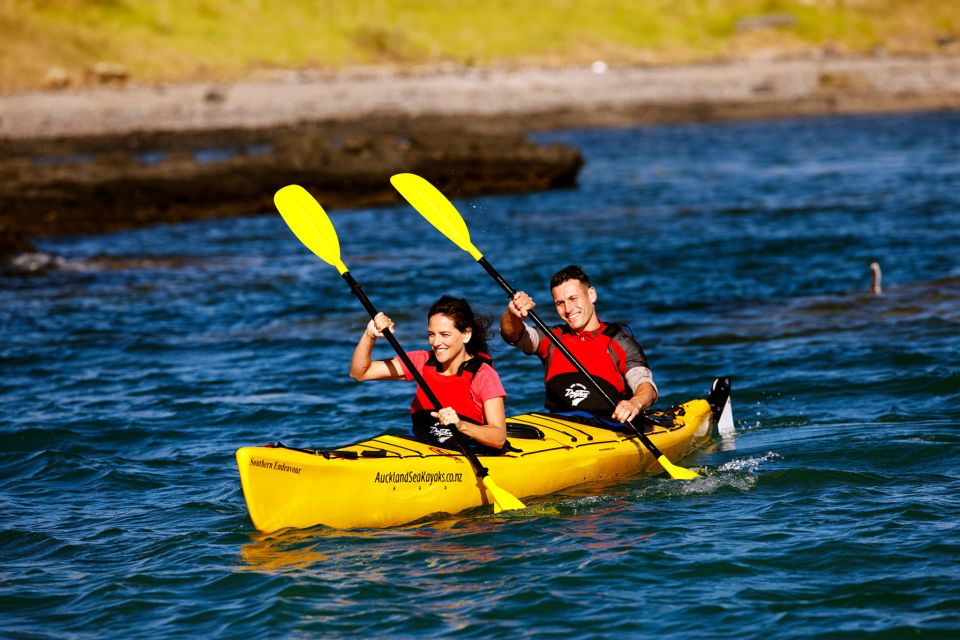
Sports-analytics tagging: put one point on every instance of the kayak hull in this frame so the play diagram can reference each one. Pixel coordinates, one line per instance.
(390, 480)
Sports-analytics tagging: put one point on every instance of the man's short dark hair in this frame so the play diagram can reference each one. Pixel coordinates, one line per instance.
(571, 272)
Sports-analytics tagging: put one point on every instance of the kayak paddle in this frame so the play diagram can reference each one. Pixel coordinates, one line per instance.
(440, 212)
(310, 223)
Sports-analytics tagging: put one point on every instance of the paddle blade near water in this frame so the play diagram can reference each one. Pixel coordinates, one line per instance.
(310, 223)
(436, 208)
(502, 500)
(675, 472)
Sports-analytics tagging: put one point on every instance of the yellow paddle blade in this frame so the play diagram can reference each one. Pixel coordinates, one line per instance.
(309, 222)
(436, 208)
(677, 473)
(502, 500)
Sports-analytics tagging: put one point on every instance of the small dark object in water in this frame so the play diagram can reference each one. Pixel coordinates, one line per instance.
(13, 243)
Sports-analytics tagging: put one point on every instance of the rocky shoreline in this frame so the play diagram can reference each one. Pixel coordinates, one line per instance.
(102, 159)
(102, 183)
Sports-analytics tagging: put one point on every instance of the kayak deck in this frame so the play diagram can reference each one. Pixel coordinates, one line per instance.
(390, 480)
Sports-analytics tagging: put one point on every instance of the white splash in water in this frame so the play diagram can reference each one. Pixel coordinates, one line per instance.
(37, 261)
(736, 474)
(750, 464)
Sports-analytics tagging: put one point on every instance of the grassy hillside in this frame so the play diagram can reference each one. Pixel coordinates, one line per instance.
(173, 40)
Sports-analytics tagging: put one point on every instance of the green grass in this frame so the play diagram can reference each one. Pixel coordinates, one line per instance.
(176, 40)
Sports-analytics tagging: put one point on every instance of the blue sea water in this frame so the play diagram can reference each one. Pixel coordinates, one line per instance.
(134, 364)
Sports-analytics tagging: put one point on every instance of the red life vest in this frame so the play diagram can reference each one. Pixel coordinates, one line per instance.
(599, 353)
(451, 391)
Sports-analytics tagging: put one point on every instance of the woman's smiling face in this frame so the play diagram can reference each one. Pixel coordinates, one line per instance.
(448, 342)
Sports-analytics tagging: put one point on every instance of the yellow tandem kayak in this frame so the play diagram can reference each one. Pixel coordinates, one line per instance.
(390, 480)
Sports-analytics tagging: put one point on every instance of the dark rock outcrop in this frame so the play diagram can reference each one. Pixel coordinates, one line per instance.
(103, 183)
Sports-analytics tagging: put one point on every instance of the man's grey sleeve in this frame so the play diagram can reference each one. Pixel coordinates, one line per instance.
(638, 371)
(637, 376)
(529, 340)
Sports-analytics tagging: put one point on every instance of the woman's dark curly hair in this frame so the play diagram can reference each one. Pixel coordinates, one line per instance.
(463, 317)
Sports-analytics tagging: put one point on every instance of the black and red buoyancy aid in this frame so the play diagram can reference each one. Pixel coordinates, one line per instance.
(599, 353)
(451, 391)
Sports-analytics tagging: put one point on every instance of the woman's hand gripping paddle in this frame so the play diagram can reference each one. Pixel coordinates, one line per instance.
(440, 212)
(309, 222)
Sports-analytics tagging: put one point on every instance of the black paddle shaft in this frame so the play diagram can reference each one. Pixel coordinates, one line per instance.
(478, 468)
(566, 352)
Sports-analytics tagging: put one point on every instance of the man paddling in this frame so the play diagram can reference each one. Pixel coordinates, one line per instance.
(608, 351)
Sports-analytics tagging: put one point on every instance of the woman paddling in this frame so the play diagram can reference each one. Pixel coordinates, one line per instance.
(457, 369)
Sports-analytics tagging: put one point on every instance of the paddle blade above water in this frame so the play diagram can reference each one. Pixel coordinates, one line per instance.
(310, 223)
(436, 208)
(502, 499)
(676, 472)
